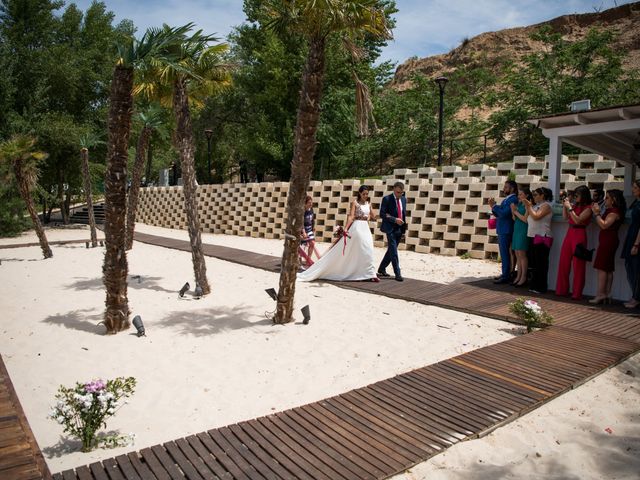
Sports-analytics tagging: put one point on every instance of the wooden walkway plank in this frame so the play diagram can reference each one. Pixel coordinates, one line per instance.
(294, 461)
(314, 453)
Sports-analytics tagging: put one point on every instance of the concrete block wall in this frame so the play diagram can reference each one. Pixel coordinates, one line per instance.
(447, 209)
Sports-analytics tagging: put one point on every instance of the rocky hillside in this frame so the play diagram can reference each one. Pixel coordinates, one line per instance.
(493, 48)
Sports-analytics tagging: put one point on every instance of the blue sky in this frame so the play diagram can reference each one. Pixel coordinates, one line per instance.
(423, 28)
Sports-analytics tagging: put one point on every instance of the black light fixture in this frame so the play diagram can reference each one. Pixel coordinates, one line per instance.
(441, 82)
(137, 322)
(306, 314)
(209, 133)
(184, 289)
(272, 293)
(198, 292)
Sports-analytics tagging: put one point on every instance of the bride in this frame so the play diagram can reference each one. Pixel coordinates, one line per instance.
(351, 257)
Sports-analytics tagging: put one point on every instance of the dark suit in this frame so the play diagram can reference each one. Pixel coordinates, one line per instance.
(504, 230)
(389, 214)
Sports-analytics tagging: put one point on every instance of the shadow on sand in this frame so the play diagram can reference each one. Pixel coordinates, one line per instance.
(138, 282)
(78, 320)
(210, 321)
(67, 445)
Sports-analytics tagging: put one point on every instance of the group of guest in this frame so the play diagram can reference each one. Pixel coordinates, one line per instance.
(523, 226)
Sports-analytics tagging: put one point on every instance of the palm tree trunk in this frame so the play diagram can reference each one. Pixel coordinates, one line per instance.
(25, 193)
(186, 147)
(138, 167)
(301, 170)
(84, 157)
(115, 269)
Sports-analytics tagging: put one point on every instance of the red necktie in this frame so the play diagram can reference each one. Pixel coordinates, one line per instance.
(399, 208)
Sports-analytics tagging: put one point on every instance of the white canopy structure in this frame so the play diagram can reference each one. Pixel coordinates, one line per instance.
(612, 132)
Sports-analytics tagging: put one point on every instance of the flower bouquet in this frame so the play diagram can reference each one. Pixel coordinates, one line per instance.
(84, 409)
(531, 313)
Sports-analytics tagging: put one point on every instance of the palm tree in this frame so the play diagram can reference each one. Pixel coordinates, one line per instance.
(316, 21)
(193, 70)
(18, 152)
(86, 142)
(131, 53)
(151, 120)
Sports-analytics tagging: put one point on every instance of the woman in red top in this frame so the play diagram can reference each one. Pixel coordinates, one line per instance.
(579, 216)
(608, 242)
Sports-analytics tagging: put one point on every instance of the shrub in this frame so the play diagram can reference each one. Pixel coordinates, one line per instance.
(84, 409)
(531, 313)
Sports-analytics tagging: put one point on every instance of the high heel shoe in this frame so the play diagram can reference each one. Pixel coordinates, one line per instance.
(633, 303)
(598, 300)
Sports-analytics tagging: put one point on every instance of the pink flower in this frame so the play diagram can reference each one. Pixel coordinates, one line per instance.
(94, 386)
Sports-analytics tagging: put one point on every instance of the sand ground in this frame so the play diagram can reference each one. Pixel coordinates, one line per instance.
(219, 360)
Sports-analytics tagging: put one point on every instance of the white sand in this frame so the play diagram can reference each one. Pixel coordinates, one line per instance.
(211, 362)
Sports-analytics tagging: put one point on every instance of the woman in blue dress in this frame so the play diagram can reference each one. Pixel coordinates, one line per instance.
(520, 240)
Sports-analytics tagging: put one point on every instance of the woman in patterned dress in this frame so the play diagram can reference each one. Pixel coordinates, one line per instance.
(308, 237)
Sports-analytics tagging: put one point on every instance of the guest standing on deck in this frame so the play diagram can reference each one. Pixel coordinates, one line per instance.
(631, 248)
(504, 227)
(608, 242)
(539, 217)
(520, 240)
(579, 217)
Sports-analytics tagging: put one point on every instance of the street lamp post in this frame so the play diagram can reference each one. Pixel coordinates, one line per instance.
(208, 132)
(441, 81)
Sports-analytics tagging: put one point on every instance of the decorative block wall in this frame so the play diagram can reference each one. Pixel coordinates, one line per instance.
(447, 209)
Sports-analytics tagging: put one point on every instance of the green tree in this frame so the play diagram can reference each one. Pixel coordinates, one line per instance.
(151, 119)
(316, 21)
(86, 142)
(549, 80)
(132, 53)
(192, 69)
(19, 152)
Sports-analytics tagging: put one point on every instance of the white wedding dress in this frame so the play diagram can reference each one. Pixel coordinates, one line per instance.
(350, 261)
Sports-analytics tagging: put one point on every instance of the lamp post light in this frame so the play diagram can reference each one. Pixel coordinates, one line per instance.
(441, 81)
(208, 132)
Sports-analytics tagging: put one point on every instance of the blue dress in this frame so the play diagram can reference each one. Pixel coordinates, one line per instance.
(520, 240)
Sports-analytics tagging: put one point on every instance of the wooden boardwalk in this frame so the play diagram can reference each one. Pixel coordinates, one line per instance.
(20, 456)
(384, 428)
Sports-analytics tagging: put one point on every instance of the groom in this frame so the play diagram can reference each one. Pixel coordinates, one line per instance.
(393, 213)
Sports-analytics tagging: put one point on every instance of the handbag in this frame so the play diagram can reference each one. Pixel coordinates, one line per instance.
(492, 223)
(583, 253)
(543, 239)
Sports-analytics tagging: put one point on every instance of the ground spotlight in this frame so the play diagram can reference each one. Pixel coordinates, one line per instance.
(306, 313)
(184, 289)
(198, 292)
(272, 293)
(86, 244)
(137, 322)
